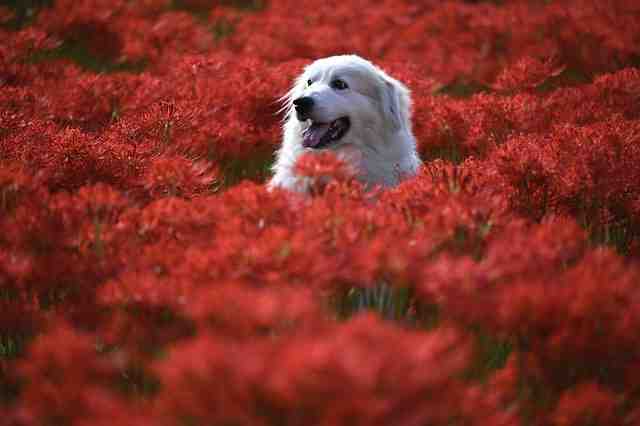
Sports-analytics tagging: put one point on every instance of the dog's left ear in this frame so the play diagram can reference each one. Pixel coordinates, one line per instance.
(395, 103)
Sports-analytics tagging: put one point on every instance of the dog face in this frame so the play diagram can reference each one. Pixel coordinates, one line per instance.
(348, 105)
(345, 100)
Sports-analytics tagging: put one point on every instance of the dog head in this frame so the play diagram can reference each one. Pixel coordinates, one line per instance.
(348, 105)
(346, 100)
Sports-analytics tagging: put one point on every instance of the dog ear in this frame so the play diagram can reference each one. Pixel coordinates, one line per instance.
(395, 103)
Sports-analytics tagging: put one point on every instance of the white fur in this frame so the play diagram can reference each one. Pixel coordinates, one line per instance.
(379, 144)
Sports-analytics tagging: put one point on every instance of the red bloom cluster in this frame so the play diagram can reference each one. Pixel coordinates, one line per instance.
(148, 276)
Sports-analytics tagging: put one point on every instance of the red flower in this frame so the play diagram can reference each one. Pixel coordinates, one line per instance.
(586, 404)
(67, 380)
(177, 176)
(527, 73)
(320, 169)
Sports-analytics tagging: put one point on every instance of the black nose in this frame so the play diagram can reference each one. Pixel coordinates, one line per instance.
(303, 107)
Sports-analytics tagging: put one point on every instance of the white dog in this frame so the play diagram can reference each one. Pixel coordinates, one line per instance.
(348, 105)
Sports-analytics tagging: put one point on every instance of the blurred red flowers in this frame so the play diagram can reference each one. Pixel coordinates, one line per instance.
(147, 275)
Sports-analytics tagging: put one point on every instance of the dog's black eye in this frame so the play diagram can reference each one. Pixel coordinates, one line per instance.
(339, 84)
(309, 82)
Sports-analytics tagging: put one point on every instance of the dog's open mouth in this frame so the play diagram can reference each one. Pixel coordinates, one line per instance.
(321, 135)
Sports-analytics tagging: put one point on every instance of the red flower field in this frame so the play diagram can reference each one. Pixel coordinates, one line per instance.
(148, 277)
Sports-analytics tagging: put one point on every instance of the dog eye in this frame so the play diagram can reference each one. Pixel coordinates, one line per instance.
(339, 84)
(309, 82)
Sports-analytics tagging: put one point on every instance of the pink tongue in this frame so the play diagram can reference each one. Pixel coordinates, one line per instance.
(312, 136)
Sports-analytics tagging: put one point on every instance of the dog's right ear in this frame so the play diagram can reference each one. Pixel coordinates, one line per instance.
(396, 103)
